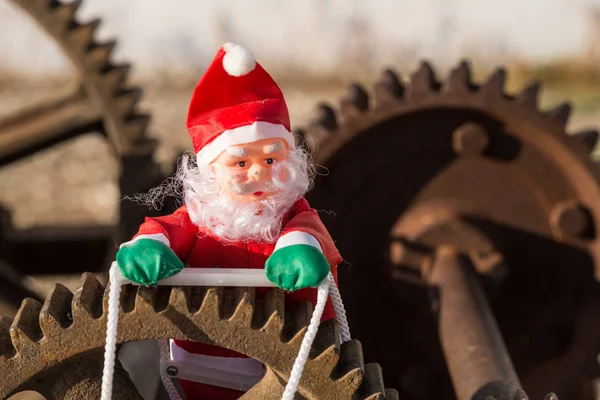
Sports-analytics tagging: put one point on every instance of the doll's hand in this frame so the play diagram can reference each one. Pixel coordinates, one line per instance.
(296, 267)
(148, 261)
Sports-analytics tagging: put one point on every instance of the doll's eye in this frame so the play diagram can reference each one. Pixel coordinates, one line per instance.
(270, 161)
(242, 164)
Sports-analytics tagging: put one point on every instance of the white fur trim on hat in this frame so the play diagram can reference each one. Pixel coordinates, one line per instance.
(259, 130)
(237, 61)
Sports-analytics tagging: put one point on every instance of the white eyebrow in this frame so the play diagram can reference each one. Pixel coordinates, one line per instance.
(272, 148)
(236, 151)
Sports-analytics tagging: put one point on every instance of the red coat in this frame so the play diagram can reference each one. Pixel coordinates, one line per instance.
(200, 248)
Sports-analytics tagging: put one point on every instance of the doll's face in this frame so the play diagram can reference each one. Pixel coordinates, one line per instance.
(246, 172)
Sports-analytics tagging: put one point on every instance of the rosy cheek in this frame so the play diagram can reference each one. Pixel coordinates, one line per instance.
(282, 175)
(235, 177)
(239, 177)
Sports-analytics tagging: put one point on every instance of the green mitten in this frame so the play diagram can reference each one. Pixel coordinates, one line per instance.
(148, 261)
(296, 267)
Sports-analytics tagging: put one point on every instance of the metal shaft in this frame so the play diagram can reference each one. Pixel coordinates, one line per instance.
(477, 358)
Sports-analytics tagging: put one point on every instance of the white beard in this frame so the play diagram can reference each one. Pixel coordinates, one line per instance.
(235, 221)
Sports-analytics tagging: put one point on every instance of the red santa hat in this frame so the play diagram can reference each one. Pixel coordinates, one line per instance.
(235, 102)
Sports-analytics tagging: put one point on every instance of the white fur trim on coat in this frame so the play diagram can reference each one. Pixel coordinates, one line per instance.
(259, 130)
(297, 237)
(155, 236)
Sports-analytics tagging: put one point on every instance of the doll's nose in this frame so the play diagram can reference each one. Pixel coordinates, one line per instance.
(257, 172)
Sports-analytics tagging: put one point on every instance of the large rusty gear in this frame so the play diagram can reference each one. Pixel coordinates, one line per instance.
(56, 348)
(431, 163)
(104, 102)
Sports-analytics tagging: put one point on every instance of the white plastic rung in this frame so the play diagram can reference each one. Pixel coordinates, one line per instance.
(243, 277)
(208, 376)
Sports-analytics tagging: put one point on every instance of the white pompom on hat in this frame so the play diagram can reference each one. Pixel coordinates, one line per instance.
(237, 60)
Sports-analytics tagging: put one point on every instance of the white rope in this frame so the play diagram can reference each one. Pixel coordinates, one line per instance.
(167, 382)
(338, 307)
(111, 333)
(325, 289)
(309, 337)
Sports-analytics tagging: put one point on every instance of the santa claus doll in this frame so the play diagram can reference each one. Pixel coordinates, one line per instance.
(244, 205)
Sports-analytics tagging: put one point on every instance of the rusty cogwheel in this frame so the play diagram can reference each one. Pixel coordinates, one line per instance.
(427, 163)
(56, 348)
(104, 102)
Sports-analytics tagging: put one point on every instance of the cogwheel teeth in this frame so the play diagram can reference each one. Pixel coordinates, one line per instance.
(331, 129)
(71, 327)
(101, 78)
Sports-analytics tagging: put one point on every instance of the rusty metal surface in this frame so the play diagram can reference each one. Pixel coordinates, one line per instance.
(104, 102)
(12, 289)
(412, 167)
(58, 250)
(417, 165)
(40, 347)
(475, 353)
